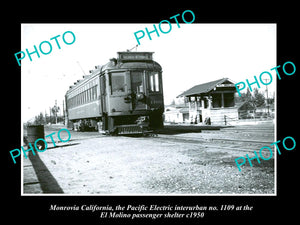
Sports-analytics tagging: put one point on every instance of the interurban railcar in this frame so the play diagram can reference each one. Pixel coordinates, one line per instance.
(124, 96)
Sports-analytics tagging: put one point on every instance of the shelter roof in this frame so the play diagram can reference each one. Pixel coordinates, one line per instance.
(204, 88)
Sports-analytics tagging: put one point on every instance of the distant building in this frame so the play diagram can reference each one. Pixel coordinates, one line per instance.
(248, 110)
(177, 114)
(245, 110)
(212, 102)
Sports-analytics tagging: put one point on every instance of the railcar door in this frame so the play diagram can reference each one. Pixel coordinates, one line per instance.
(119, 88)
(138, 90)
(103, 94)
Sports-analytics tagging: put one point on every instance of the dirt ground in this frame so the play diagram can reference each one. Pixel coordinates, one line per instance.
(182, 163)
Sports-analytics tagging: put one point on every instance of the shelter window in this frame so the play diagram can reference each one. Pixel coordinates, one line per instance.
(216, 100)
(229, 100)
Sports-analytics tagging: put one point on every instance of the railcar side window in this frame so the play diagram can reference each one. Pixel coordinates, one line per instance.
(118, 83)
(154, 82)
(95, 93)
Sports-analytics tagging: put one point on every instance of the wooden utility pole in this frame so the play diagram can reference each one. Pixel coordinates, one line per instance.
(50, 115)
(64, 112)
(45, 117)
(55, 108)
(267, 100)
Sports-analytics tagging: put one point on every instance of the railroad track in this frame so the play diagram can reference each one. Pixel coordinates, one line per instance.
(201, 140)
(241, 140)
(236, 145)
(244, 131)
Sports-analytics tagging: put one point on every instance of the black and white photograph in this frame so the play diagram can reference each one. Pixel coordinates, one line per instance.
(162, 117)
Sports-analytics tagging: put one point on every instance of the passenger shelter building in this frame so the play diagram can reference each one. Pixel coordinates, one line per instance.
(212, 103)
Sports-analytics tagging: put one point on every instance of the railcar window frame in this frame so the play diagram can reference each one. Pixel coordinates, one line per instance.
(137, 81)
(122, 89)
(83, 96)
(154, 82)
(95, 92)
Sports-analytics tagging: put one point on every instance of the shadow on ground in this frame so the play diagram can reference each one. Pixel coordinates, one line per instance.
(178, 129)
(46, 179)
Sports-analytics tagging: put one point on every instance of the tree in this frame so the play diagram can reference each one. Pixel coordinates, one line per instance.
(244, 97)
(255, 99)
(248, 100)
(259, 98)
(39, 119)
(173, 102)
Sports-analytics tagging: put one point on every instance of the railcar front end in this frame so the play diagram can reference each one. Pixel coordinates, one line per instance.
(135, 94)
(124, 96)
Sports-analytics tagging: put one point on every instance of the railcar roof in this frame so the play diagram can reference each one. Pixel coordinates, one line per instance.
(143, 60)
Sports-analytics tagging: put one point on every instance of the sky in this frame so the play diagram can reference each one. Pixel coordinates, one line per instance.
(189, 55)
